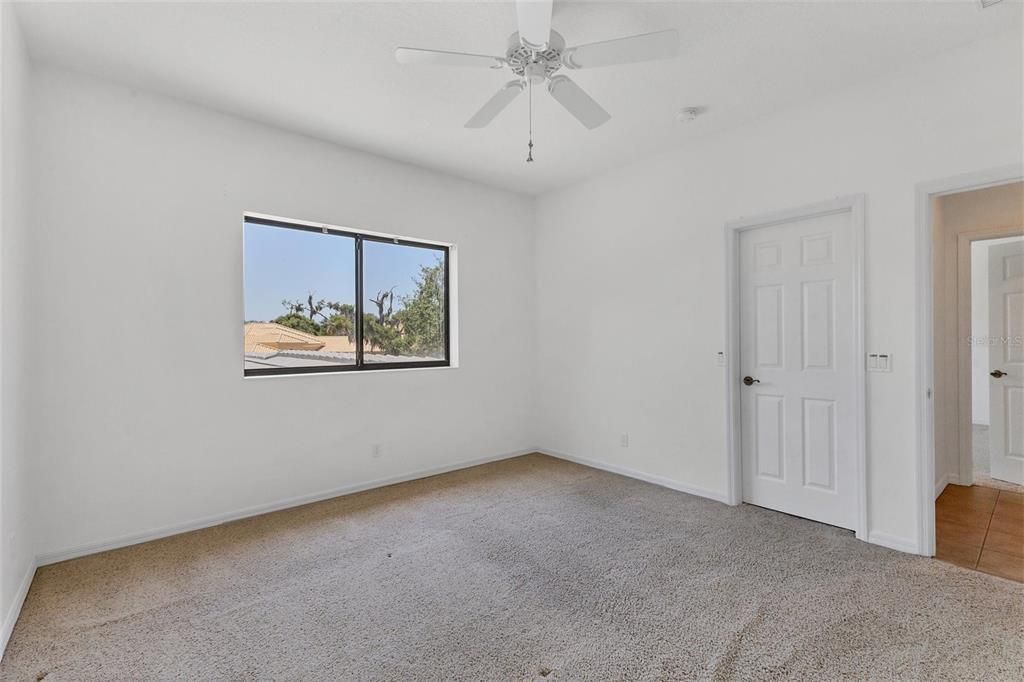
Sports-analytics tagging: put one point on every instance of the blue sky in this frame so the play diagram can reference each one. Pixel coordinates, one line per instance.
(286, 264)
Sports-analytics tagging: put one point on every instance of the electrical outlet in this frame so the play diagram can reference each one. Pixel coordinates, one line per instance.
(624, 440)
(375, 450)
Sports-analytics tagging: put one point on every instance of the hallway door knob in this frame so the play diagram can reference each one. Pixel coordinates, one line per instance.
(750, 381)
(998, 373)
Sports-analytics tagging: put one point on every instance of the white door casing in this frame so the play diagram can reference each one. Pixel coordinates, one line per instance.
(799, 321)
(1006, 360)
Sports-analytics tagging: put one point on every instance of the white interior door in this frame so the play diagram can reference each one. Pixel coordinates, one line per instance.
(797, 325)
(1006, 360)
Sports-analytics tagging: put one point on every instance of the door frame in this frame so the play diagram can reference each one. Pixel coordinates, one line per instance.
(924, 332)
(854, 204)
(965, 369)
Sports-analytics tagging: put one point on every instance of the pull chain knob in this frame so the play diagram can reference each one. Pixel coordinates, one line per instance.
(529, 85)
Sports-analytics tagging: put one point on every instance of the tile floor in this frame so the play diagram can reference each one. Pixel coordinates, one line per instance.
(982, 529)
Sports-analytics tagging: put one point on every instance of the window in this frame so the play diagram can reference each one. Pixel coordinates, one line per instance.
(320, 299)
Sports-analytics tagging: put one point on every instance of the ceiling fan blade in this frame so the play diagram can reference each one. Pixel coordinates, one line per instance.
(577, 102)
(496, 104)
(641, 48)
(414, 55)
(534, 23)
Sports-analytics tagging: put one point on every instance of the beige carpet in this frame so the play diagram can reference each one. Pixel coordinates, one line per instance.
(530, 568)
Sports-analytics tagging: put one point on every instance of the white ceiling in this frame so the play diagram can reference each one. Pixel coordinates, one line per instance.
(327, 70)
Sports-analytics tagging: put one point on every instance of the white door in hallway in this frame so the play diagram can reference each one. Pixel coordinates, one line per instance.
(798, 362)
(1006, 360)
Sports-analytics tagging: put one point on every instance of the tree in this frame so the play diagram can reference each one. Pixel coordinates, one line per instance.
(294, 307)
(422, 315)
(416, 328)
(385, 337)
(384, 297)
(315, 308)
(339, 325)
(299, 322)
(304, 316)
(342, 321)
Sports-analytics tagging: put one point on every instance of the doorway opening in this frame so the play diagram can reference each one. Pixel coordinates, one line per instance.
(978, 340)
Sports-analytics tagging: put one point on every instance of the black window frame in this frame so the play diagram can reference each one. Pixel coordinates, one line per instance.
(360, 238)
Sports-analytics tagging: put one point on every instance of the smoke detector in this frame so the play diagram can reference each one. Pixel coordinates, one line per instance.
(688, 114)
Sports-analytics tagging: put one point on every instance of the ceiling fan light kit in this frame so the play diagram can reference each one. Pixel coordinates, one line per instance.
(535, 53)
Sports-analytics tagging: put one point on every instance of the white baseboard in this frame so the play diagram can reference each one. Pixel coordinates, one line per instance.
(893, 542)
(197, 524)
(944, 481)
(874, 537)
(11, 617)
(639, 475)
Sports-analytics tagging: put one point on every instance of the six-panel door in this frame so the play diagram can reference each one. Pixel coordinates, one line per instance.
(1006, 357)
(797, 339)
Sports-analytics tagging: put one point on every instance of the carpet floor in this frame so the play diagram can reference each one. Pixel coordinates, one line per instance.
(525, 569)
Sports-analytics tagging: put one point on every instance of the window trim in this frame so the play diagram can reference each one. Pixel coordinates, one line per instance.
(359, 236)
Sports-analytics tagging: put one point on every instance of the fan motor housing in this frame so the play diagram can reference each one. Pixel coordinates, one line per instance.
(536, 66)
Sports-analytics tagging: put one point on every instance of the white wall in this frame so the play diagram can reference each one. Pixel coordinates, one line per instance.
(140, 420)
(630, 266)
(141, 417)
(17, 551)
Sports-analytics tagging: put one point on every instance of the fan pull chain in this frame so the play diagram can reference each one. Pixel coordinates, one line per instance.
(529, 155)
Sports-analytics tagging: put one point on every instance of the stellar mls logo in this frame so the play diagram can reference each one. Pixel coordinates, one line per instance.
(1013, 341)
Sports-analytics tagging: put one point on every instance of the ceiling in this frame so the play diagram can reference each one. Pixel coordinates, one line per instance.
(327, 70)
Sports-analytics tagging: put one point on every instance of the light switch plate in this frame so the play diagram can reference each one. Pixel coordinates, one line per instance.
(879, 362)
(720, 359)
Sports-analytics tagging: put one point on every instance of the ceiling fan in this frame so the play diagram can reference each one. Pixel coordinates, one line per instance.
(536, 54)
